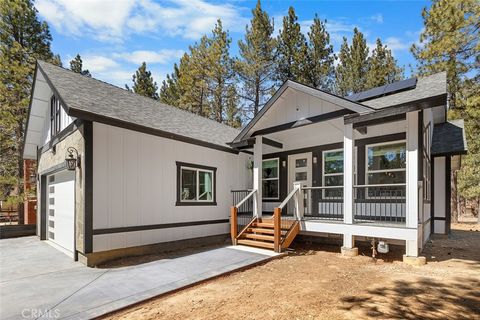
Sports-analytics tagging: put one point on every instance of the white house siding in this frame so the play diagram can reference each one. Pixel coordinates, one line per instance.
(292, 106)
(135, 182)
(439, 194)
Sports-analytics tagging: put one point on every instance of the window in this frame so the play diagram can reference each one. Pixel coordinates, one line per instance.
(386, 164)
(195, 184)
(426, 161)
(332, 173)
(55, 119)
(270, 179)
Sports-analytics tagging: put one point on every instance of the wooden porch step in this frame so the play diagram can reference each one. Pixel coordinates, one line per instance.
(258, 237)
(263, 230)
(253, 243)
(269, 225)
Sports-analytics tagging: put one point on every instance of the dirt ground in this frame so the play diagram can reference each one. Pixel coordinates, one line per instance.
(316, 282)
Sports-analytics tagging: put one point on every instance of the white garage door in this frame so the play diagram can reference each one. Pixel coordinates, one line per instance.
(61, 208)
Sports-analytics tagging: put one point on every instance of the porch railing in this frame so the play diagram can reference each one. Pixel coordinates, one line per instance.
(379, 203)
(287, 220)
(245, 210)
(241, 212)
(323, 203)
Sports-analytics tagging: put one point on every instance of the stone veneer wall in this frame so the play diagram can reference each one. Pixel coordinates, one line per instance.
(48, 160)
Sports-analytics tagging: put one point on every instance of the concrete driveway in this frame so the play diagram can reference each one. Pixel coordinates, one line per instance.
(39, 282)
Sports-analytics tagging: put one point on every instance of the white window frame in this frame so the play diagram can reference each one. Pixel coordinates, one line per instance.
(329, 174)
(197, 191)
(383, 170)
(271, 179)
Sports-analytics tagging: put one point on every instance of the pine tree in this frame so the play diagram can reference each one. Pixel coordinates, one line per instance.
(170, 91)
(320, 70)
(143, 83)
(255, 66)
(221, 71)
(233, 115)
(23, 39)
(76, 65)
(291, 50)
(450, 42)
(193, 80)
(469, 175)
(383, 68)
(342, 76)
(351, 72)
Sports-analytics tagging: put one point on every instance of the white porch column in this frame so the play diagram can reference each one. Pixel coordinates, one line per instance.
(348, 174)
(348, 247)
(257, 175)
(411, 197)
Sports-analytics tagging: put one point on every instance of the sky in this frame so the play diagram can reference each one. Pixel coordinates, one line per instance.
(114, 37)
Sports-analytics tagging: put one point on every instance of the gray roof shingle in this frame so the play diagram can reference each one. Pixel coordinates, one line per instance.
(429, 86)
(96, 97)
(449, 138)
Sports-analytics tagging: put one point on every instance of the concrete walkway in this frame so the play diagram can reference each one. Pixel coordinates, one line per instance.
(39, 282)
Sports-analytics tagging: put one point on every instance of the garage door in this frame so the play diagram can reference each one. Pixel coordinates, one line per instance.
(61, 208)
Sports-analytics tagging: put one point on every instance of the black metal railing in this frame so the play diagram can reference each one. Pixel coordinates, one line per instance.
(323, 203)
(245, 210)
(379, 203)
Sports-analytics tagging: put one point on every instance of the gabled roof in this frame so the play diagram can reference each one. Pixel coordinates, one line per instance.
(337, 100)
(90, 99)
(449, 138)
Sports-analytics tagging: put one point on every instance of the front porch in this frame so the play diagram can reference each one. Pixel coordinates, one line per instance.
(338, 172)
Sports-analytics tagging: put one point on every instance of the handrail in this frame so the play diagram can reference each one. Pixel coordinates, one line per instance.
(321, 188)
(380, 185)
(290, 195)
(246, 198)
(241, 190)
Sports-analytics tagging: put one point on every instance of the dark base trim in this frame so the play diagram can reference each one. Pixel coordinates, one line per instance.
(96, 258)
(158, 226)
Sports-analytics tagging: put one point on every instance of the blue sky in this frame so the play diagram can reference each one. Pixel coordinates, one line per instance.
(115, 36)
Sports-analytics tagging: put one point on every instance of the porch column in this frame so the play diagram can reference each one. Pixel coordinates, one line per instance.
(411, 196)
(348, 247)
(348, 174)
(257, 175)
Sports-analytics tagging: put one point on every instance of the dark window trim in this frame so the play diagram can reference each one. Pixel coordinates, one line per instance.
(278, 179)
(180, 203)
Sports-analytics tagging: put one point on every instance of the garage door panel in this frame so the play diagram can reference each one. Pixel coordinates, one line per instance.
(61, 209)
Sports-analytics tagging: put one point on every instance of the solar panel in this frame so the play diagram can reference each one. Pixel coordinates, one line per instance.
(384, 90)
(401, 85)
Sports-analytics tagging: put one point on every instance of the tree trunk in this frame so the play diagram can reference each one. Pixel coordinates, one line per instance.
(257, 97)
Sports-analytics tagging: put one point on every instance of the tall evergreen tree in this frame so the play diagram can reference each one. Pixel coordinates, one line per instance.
(76, 65)
(320, 70)
(291, 50)
(170, 90)
(255, 66)
(143, 83)
(342, 75)
(233, 116)
(450, 42)
(221, 71)
(382, 68)
(23, 39)
(351, 72)
(194, 75)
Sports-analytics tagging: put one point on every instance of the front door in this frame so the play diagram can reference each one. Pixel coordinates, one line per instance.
(299, 170)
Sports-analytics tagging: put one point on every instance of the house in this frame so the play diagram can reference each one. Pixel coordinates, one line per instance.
(120, 174)
(143, 173)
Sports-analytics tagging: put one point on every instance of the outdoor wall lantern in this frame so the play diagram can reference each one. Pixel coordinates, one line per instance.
(72, 159)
